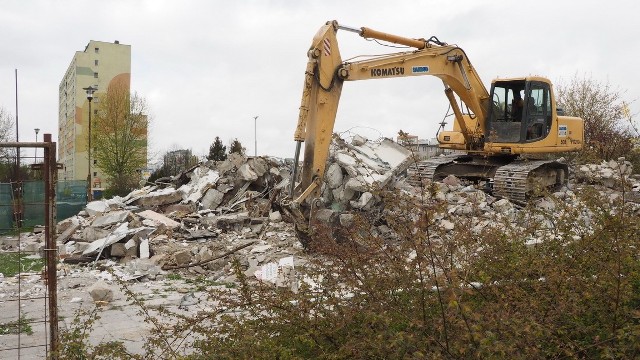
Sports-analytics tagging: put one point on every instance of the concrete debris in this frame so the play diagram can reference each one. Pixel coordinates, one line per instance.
(198, 221)
(357, 168)
(101, 292)
(608, 173)
(97, 207)
(159, 219)
(110, 218)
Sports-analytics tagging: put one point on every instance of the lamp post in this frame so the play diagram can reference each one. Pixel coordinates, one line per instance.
(255, 135)
(35, 161)
(89, 91)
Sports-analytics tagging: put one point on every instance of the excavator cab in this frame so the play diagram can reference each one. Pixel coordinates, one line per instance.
(520, 112)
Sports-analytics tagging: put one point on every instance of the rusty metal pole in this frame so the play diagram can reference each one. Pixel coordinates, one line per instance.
(50, 174)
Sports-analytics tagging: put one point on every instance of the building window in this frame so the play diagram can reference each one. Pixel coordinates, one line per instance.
(97, 50)
(95, 161)
(95, 62)
(95, 112)
(95, 75)
(95, 173)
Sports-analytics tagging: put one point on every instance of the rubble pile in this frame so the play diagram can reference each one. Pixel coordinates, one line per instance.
(191, 224)
(608, 173)
(356, 167)
(227, 206)
(208, 210)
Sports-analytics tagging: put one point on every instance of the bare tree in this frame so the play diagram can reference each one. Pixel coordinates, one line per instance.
(7, 155)
(608, 134)
(120, 136)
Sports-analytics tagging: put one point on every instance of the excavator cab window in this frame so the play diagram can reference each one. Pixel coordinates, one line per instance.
(507, 111)
(538, 112)
(521, 111)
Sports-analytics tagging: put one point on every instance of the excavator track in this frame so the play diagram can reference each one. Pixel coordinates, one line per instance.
(515, 180)
(519, 179)
(427, 168)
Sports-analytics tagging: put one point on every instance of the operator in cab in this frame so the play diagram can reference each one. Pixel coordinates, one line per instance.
(517, 106)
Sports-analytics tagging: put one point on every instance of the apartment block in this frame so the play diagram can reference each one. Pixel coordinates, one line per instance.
(99, 64)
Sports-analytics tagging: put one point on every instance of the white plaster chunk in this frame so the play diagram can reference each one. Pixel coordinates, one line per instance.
(118, 234)
(364, 202)
(275, 217)
(96, 207)
(333, 176)
(358, 140)
(144, 249)
(201, 180)
(159, 218)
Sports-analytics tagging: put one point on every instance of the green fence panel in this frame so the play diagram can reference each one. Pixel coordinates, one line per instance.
(6, 208)
(33, 200)
(71, 198)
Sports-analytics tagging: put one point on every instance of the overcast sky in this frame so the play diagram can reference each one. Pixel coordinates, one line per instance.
(207, 68)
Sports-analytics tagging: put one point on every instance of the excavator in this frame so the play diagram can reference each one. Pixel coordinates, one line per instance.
(494, 132)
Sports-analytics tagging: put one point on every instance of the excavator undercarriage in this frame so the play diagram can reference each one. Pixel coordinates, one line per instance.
(514, 178)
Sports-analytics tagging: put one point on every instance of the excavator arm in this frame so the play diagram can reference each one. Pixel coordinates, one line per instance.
(326, 72)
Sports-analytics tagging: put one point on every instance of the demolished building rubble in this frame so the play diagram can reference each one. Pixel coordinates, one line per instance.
(193, 223)
(216, 207)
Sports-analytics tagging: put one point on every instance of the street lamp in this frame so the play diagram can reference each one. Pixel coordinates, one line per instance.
(89, 91)
(36, 149)
(255, 134)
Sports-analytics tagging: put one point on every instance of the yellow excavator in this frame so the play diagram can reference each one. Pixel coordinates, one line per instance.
(491, 130)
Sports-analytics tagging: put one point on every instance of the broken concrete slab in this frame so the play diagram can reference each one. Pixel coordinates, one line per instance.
(246, 173)
(158, 218)
(212, 199)
(120, 250)
(159, 198)
(231, 221)
(111, 218)
(64, 237)
(259, 166)
(365, 201)
(200, 234)
(97, 207)
(118, 234)
(180, 208)
(182, 257)
(90, 234)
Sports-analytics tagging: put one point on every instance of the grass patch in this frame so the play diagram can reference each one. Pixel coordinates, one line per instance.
(20, 326)
(13, 263)
(174, 276)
